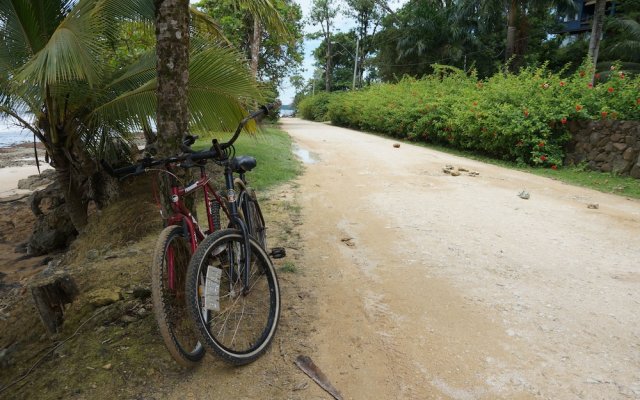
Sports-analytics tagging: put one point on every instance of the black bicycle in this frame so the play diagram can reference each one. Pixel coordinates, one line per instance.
(232, 287)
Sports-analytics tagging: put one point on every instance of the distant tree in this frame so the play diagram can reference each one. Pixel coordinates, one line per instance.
(273, 48)
(622, 39)
(368, 15)
(323, 13)
(342, 59)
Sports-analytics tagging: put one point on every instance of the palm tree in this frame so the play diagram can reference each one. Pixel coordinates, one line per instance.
(57, 64)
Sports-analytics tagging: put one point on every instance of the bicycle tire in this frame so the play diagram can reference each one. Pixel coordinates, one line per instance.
(253, 217)
(169, 303)
(228, 331)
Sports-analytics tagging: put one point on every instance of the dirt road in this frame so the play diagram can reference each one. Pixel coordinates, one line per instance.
(435, 286)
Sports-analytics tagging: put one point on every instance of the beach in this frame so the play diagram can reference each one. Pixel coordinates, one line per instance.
(18, 162)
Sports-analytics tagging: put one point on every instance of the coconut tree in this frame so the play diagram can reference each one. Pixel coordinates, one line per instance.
(58, 65)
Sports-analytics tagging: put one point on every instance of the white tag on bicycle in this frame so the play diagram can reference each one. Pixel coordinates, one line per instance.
(212, 289)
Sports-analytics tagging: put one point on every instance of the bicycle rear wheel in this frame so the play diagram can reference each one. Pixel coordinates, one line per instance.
(235, 323)
(253, 217)
(168, 274)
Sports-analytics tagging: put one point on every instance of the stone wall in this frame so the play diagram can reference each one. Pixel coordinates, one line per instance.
(607, 146)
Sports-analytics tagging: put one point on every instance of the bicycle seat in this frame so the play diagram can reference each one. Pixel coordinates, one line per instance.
(242, 164)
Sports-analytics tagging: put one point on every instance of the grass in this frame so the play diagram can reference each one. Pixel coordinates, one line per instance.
(272, 148)
(289, 267)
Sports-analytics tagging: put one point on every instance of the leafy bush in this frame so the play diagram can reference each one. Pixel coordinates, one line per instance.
(315, 107)
(520, 117)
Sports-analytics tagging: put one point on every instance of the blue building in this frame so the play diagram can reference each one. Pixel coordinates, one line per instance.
(580, 20)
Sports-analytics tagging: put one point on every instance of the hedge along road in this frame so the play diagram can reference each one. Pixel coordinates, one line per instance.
(438, 286)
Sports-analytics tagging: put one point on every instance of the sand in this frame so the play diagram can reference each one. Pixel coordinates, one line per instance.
(16, 163)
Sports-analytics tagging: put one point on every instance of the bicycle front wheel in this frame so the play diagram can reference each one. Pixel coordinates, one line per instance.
(168, 274)
(236, 322)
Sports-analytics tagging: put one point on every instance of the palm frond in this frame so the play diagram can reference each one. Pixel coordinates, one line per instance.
(266, 13)
(71, 53)
(219, 86)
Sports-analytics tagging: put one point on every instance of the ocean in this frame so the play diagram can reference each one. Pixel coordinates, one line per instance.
(11, 135)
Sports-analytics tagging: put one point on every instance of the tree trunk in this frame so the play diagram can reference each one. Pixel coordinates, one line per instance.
(71, 185)
(328, 72)
(511, 30)
(172, 48)
(256, 42)
(596, 31)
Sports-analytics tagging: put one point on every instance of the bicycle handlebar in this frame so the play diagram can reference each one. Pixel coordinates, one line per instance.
(215, 153)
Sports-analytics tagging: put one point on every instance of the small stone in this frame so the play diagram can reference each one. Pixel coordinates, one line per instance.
(593, 206)
(474, 173)
(396, 145)
(141, 312)
(107, 366)
(461, 169)
(127, 318)
(524, 195)
(455, 173)
(449, 166)
(446, 171)
(103, 297)
(301, 386)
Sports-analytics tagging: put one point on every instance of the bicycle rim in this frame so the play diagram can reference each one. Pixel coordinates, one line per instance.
(169, 270)
(237, 324)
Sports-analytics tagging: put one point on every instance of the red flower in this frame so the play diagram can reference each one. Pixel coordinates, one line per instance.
(610, 90)
(604, 114)
(554, 167)
(526, 113)
(638, 101)
(563, 120)
(597, 76)
(475, 103)
(578, 107)
(543, 158)
(562, 83)
(590, 85)
(541, 144)
(621, 75)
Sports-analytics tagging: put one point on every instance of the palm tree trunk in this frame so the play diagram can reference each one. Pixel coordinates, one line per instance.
(71, 185)
(596, 31)
(172, 64)
(172, 46)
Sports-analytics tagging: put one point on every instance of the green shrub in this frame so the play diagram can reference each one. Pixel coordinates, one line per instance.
(519, 117)
(314, 107)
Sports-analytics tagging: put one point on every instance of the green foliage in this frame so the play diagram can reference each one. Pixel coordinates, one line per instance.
(518, 117)
(315, 107)
(281, 53)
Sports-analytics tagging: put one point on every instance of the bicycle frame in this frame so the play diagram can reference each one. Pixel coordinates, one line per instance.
(182, 216)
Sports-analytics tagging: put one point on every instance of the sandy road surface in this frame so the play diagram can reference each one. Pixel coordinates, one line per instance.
(433, 286)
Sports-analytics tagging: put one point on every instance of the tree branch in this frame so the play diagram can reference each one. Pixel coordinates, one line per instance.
(24, 123)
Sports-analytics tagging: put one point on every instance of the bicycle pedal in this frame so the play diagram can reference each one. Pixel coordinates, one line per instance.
(278, 252)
